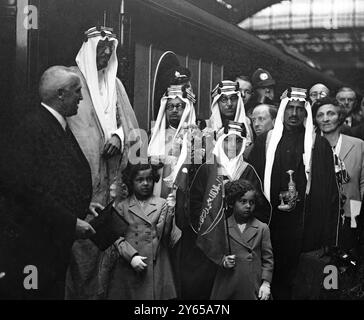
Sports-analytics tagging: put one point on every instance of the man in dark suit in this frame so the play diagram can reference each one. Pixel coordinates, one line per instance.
(347, 97)
(46, 187)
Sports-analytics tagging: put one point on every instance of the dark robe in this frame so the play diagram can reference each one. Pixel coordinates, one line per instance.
(314, 221)
(46, 184)
(197, 272)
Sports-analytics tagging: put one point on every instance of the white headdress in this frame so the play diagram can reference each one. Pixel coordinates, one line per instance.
(156, 146)
(227, 87)
(86, 61)
(231, 167)
(289, 95)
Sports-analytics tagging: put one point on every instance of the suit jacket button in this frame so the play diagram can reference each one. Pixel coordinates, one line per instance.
(136, 234)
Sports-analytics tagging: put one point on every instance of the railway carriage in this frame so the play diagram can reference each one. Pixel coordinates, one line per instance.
(36, 34)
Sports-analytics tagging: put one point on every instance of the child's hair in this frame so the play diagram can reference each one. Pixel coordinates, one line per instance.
(132, 170)
(234, 190)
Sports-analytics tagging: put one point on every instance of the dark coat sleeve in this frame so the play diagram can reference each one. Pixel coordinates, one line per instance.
(256, 156)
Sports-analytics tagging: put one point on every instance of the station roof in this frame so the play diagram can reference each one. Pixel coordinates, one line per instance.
(188, 12)
(233, 11)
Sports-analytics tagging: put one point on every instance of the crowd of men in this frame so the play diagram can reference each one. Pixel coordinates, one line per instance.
(303, 152)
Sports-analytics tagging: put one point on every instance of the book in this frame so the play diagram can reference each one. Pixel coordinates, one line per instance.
(109, 227)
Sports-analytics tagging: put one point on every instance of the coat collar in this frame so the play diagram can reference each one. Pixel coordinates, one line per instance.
(52, 122)
(71, 147)
(248, 234)
(143, 213)
(346, 147)
(62, 121)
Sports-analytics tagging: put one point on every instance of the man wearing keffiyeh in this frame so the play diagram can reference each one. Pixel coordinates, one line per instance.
(227, 105)
(298, 174)
(105, 120)
(105, 127)
(169, 138)
(204, 237)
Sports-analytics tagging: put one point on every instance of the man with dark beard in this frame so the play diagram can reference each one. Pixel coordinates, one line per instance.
(298, 174)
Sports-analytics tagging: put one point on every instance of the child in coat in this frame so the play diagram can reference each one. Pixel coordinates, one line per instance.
(143, 269)
(246, 273)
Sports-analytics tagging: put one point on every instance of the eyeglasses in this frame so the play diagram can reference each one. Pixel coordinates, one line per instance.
(178, 106)
(316, 95)
(225, 99)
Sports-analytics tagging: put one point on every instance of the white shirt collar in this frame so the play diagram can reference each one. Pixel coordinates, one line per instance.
(349, 121)
(57, 115)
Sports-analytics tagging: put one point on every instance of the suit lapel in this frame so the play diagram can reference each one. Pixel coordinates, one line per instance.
(74, 147)
(244, 238)
(150, 207)
(69, 141)
(250, 231)
(346, 147)
(135, 208)
(53, 124)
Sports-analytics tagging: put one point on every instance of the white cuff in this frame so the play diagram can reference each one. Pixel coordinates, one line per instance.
(120, 133)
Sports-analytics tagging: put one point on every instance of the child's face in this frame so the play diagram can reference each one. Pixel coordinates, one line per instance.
(245, 206)
(143, 183)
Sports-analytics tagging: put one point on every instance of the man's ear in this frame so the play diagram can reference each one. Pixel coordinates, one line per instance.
(274, 121)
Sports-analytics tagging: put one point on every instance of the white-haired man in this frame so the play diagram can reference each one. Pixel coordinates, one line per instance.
(347, 97)
(50, 189)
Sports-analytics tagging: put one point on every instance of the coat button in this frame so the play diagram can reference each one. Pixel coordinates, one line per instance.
(136, 234)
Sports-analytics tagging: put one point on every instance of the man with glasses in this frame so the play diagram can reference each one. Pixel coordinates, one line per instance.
(318, 91)
(227, 105)
(176, 112)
